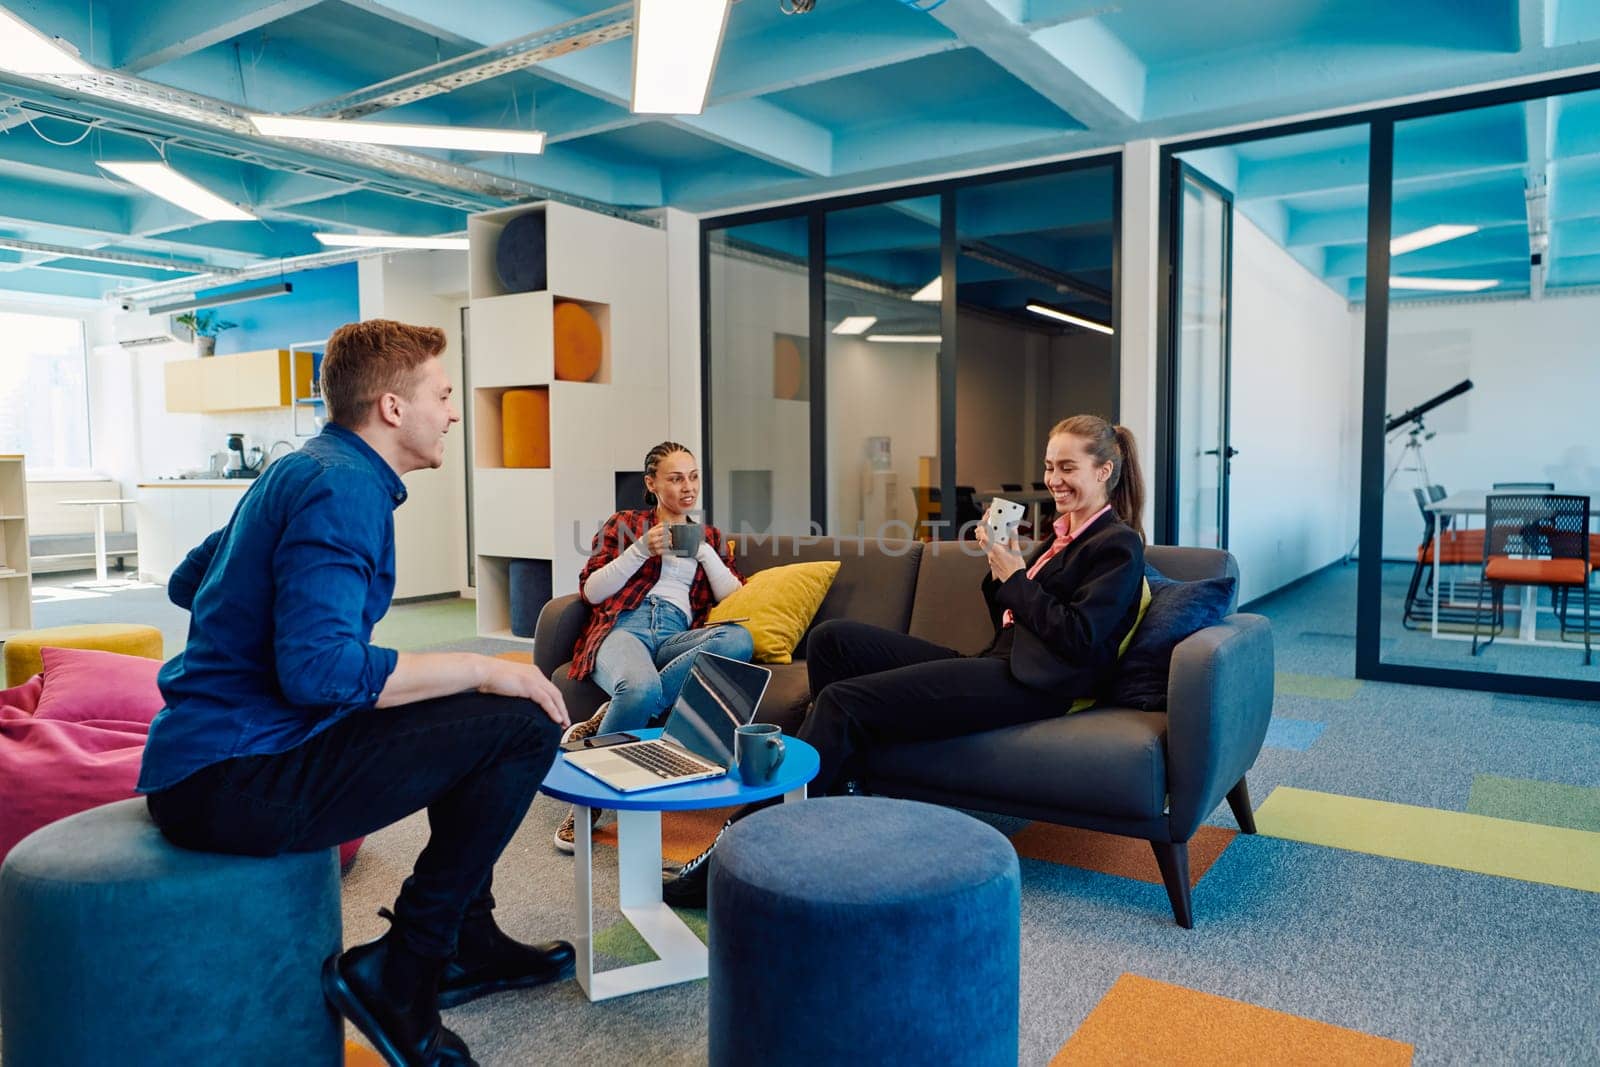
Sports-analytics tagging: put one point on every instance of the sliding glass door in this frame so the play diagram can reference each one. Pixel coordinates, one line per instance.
(1200, 389)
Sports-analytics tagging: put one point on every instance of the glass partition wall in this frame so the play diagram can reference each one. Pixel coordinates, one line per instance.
(1492, 467)
(870, 358)
(1429, 272)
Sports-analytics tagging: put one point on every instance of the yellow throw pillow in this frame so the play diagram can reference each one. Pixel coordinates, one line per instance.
(777, 605)
(1085, 703)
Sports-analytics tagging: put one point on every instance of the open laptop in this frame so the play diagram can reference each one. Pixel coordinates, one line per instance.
(719, 696)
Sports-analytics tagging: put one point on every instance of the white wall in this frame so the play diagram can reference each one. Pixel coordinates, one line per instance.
(878, 390)
(1295, 414)
(1531, 415)
(750, 303)
(430, 528)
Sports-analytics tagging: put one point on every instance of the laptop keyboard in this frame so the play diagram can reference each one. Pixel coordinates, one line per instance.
(661, 759)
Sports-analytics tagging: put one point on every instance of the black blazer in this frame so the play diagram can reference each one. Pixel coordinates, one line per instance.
(1071, 619)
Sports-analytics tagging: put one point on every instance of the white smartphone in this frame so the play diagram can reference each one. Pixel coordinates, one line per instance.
(1002, 519)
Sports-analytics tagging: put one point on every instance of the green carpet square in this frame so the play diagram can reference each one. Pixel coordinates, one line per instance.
(408, 627)
(624, 944)
(1316, 685)
(1524, 800)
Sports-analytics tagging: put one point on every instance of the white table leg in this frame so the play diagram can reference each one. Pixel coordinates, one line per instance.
(1528, 625)
(1438, 520)
(100, 544)
(681, 955)
(794, 794)
(582, 856)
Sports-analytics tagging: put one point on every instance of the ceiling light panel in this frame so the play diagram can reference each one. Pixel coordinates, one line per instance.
(1075, 320)
(931, 293)
(675, 46)
(855, 325)
(401, 134)
(161, 180)
(1444, 285)
(905, 338)
(378, 240)
(1428, 235)
(24, 50)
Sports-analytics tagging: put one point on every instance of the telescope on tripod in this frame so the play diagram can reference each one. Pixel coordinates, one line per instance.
(1415, 430)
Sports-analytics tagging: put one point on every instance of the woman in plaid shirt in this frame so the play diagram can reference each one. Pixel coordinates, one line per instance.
(648, 605)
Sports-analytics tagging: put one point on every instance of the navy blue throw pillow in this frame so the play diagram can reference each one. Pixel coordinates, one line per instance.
(1177, 609)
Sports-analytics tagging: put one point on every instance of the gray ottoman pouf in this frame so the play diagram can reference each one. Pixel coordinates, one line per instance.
(117, 947)
(863, 930)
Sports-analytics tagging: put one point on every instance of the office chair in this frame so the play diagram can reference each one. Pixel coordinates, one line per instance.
(1455, 549)
(1535, 539)
(1523, 487)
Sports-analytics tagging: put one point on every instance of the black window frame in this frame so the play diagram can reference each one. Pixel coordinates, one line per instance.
(816, 213)
(1380, 123)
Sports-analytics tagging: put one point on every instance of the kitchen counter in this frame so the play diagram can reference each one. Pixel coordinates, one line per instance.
(171, 524)
(198, 483)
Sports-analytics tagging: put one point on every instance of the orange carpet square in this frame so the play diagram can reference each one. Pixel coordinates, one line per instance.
(1125, 857)
(357, 1055)
(684, 834)
(516, 657)
(1141, 1021)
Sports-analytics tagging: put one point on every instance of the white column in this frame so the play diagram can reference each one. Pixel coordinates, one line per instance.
(1138, 298)
(683, 327)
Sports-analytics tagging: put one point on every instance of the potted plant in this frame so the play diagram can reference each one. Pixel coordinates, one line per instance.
(205, 325)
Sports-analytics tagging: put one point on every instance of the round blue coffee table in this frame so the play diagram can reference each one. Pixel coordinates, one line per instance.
(682, 956)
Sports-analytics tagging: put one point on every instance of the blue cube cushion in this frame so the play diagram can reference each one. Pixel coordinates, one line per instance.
(1177, 609)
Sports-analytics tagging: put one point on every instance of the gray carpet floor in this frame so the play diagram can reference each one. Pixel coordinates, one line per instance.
(1468, 968)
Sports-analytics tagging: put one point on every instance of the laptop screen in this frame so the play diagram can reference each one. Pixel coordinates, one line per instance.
(719, 696)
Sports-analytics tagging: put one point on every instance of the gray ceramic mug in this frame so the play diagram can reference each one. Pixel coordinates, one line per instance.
(758, 752)
(687, 537)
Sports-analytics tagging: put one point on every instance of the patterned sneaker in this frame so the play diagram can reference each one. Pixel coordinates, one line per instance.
(580, 731)
(567, 834)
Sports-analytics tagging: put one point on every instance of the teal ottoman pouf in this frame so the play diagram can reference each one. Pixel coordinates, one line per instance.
(863, 930)
(118, 947)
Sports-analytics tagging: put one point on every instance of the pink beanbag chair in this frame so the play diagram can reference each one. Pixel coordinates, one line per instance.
(72, 738)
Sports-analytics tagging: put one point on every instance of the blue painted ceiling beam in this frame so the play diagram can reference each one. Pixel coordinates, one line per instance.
(1107, 93)
(146, 35)
(834, 41)
(55, 283)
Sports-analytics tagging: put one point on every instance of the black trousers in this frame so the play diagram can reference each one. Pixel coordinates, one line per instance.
(474, 761)
(878, 687)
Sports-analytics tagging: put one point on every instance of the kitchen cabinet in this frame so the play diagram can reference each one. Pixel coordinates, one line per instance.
(244, 382)
(176, 516)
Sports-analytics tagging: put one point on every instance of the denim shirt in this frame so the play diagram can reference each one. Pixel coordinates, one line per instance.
(282, 602)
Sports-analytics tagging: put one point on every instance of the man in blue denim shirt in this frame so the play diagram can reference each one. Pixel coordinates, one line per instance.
(286, 729)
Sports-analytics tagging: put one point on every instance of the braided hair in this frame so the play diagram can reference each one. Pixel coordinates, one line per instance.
(652, 460)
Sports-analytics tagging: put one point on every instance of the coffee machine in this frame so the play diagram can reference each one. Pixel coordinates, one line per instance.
(240, 466)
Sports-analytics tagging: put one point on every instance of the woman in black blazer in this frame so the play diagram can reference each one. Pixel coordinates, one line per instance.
(1059, 618)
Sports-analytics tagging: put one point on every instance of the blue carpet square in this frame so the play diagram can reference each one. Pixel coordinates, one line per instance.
(1298, 734)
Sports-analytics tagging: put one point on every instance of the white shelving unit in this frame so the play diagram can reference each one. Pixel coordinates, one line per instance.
(16, 581)
(617, 270)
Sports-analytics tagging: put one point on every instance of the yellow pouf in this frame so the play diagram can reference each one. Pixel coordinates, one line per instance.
(130, 639)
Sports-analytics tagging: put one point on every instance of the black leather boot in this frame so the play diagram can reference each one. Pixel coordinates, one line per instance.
(488, 961)
(391, 994)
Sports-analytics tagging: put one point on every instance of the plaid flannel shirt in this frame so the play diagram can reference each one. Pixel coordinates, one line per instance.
(620, 531)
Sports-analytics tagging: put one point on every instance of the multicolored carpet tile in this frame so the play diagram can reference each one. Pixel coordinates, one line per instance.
(684, 834)
(1143, 1021)
(1125, 857)
(1316, 685)
(1531, 852)
(1296, 734)
(622, 943)
(1551, 803)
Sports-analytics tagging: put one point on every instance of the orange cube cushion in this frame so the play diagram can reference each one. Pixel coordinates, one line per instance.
(577, 343)
(525, 427)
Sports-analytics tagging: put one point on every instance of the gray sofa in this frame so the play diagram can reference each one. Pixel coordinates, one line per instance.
(1153, 775)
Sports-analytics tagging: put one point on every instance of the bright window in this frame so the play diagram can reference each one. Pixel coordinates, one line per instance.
(44, 392)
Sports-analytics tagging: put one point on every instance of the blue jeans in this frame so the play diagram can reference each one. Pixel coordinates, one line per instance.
(645, 659)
